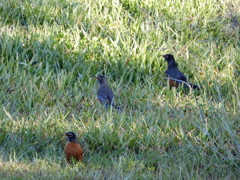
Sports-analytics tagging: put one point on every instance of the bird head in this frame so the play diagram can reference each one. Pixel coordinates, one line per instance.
(71, 136)
(168, 57)
(101, 79)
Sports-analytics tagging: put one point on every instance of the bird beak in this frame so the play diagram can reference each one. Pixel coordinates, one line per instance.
(64, 135)
(162, 55)
(95, 77)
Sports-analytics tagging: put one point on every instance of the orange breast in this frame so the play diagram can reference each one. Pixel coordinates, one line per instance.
(173, 83)
(73, 150)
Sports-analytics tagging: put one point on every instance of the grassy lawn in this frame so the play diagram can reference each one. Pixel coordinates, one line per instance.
(51, 49)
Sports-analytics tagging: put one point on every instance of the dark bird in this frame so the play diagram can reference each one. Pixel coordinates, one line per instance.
(105, 93)
(72, 150)
(174, 75)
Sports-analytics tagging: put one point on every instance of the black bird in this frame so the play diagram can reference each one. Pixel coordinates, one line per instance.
(174, 75)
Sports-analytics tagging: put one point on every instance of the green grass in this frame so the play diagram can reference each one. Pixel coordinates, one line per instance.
(51, 49)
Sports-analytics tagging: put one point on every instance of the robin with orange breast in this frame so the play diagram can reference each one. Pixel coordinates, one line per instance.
(175, 76)
(105, 94)
(72, 150)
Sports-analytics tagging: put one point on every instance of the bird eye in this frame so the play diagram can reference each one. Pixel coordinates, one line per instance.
(166, 56)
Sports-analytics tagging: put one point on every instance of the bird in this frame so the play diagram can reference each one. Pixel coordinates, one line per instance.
(105, 94)
(175, 76)
(72, 150)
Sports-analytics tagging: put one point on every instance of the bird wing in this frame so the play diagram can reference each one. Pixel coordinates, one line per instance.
(105, 95)
(176, 74)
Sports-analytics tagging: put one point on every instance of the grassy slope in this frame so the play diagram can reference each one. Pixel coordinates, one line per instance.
(50, 49)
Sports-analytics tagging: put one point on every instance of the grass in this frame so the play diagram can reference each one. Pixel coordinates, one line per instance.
(50, 49)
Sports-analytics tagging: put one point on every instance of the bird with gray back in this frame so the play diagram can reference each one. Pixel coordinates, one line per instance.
(105, 93)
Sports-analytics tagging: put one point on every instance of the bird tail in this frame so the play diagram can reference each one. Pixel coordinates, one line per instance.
(195, 86)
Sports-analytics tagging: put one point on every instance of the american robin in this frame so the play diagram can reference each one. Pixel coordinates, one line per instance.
(105, 93)
(174, 75)
(72, 150)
